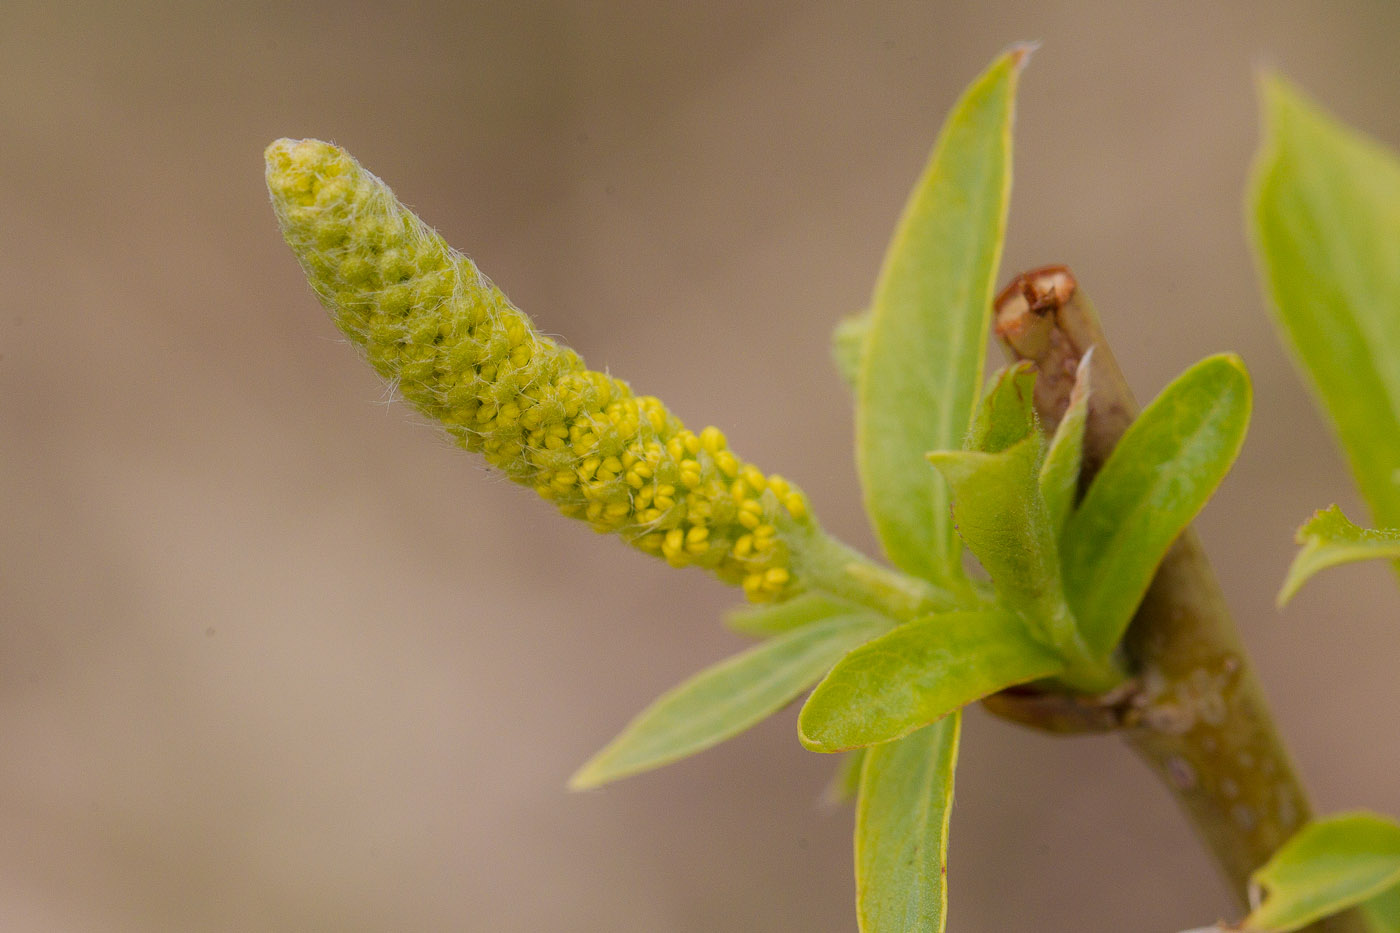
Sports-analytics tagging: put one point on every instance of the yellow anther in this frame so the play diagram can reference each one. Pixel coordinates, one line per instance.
(673, 547)
(754, 477)
(751, 514)
(713, 440)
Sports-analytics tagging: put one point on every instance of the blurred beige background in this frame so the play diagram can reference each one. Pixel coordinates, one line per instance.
(273, 656)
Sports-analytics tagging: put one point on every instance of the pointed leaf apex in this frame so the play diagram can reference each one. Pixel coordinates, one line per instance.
(1021, 52)
(584, 779)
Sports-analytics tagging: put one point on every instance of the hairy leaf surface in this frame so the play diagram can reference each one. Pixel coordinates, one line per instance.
(726, 699)
(906, 798)
(1165, 467)
(1325, 217)
(917, 674)
(921, 369)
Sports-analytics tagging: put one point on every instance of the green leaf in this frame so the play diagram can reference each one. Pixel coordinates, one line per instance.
(1165, 467)
(847, 345)
(906, 798)
(724, 700)
(1330, 538)
(1002, 520)
(1382, 912)
(918, 674)
(1325, 868)
(922, 367)
(1325, 218)
(764, 620)
(1059, 474)
(1006, 413)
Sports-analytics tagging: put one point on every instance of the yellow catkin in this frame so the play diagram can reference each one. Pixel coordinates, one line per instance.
(458, 350)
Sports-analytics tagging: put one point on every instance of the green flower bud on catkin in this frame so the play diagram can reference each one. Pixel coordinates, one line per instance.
(454, 346)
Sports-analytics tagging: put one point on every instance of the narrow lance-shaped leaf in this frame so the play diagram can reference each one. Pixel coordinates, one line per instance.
(1165, 467)
(1059, 474)
(1327, 867)
(1330, 538)
(1325, 216)
(728, 698)
(918, 674)
(767, 619)
(922, 367)
(906, 798)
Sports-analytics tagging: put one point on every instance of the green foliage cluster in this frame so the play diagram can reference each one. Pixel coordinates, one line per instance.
(1324, 213)
(948, 464)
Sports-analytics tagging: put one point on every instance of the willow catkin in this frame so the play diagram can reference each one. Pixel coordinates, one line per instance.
(459, 351)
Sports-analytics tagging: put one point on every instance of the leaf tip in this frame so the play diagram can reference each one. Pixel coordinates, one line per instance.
(589, 777)
(1239, 373)
(1235, 361)
(1021, 52)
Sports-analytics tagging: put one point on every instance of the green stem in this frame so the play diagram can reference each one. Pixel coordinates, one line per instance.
(840, 570)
